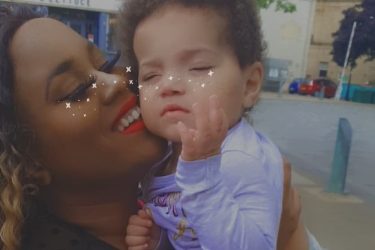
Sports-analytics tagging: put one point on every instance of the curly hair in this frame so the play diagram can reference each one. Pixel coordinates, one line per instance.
(243, 30)
(15, 140)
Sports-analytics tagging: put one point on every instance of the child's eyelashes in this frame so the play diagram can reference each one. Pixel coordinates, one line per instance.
(152, 77)
(149, 77)
(203, 68)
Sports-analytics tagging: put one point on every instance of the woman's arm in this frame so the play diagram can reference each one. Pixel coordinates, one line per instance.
(292, 234)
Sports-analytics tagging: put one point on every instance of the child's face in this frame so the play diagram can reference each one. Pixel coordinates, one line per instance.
(184, 58)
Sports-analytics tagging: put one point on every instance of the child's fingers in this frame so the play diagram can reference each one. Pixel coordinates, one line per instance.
(225, 122)
(139, 221)
(143, 247)
(148, 211)
(201, 119)
(134, 230)
(215, 115)
(187, 139)
(185, 134)
(137, 241)
(144, 215)
(133, 240)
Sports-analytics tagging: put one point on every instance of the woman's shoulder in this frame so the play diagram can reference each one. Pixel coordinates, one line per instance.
(49, 232)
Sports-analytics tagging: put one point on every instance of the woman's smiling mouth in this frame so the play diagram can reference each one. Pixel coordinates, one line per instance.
(129, 120)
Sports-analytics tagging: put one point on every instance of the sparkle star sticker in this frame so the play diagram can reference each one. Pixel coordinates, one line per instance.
(131, 82)
(94, 86)
(88, 100)
(128, 69)
(68, 106)
(211, 73)
(170, 78)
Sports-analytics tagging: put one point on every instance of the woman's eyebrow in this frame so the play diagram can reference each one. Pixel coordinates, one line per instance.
(65, 66)
(60, 69)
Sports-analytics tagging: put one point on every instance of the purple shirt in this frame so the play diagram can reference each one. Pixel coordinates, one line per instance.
(229, 201)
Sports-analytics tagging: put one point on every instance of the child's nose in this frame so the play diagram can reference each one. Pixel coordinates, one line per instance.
(172, 86)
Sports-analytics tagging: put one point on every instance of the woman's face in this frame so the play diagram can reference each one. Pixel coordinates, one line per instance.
(76, 110)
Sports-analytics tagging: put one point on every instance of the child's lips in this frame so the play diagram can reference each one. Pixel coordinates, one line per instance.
(172, 108)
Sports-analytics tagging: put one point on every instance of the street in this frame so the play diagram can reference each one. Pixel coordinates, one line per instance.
(305, 129)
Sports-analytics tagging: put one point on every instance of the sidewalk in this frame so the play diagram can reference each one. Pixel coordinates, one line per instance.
(339, 222)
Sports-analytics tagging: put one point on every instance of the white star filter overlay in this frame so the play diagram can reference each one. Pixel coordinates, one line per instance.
(202, 82)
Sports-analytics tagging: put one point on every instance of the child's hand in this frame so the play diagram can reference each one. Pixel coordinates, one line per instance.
(142, 233)
(211, 128)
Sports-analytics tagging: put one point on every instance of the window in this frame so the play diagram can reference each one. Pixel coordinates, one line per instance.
(323, 69)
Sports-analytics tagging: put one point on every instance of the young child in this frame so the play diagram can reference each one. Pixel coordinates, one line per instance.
(199, 71)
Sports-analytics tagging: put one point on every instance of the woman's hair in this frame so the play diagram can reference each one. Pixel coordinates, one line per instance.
(243, 31)
(15, 141)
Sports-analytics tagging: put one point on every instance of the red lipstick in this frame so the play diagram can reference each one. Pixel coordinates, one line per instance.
(134, 128)
(128, 105)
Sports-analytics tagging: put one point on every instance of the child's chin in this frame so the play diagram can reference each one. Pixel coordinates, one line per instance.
(175, 139)
(172, 136)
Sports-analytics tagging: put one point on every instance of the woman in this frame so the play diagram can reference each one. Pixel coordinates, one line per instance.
(86, 171)
(69, 168)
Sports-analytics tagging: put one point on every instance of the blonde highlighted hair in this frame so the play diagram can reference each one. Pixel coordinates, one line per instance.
(11, 202)
(14, 140)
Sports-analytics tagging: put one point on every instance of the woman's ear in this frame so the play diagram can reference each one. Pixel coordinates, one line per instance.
(253, 83)
(39, 176)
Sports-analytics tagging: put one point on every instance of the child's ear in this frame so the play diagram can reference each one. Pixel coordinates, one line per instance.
(253, 83)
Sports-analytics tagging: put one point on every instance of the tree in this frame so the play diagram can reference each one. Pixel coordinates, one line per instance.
(364, 38)
(281, 5)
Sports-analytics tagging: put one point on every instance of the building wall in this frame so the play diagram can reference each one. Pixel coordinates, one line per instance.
(288, 35)
(93, 19)
(108, 6)
(328, 14)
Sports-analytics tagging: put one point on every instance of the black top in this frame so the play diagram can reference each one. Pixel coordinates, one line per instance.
(47, 232)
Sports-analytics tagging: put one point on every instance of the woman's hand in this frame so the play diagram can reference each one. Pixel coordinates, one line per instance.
(292, 235)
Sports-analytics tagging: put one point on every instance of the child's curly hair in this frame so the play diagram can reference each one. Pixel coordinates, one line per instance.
(15, 140)
(243, 29)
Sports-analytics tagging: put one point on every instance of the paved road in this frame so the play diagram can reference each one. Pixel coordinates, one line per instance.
(338, 222)
(305, 129)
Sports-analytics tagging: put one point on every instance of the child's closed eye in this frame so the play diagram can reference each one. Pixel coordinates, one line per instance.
(201, 68)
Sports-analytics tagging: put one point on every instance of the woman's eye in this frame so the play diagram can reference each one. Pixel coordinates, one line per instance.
(110, 64)
(80, 92)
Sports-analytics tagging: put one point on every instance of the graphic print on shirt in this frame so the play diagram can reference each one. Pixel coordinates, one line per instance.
(169, 200)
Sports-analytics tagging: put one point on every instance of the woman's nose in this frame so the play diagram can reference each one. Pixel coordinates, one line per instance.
(172, 86)
(112, 86)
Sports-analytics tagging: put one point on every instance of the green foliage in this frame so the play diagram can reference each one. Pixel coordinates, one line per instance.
(364, 37)
(280, 5)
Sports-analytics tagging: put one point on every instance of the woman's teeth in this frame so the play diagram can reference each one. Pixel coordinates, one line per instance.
(129, 118)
